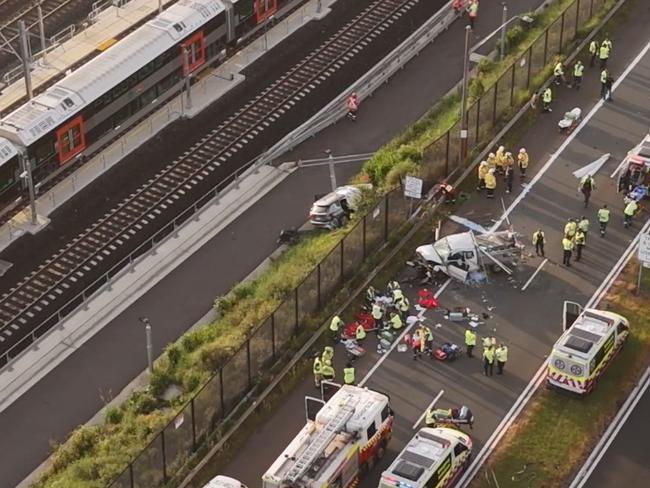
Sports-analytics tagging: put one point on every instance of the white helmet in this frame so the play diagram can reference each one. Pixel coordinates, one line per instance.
(483, 163)
(508, 153)
(491, 171)
(491, 155)
(501, 148)
(522, 150)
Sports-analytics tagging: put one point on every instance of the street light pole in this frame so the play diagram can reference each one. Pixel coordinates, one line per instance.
(147, 328)
(504, 21)
(26, 58)
(464, 125)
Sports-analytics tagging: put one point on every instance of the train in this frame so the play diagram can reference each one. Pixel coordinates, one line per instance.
(89, 107)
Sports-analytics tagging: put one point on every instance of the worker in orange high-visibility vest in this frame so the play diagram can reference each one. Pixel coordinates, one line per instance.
(353, 106)
(458, 5)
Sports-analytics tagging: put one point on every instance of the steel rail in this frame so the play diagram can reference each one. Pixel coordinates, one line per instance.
(22, 306)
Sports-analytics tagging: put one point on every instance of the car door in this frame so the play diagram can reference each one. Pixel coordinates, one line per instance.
(571, 311)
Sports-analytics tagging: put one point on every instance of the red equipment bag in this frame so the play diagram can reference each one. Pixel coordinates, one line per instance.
(439, 354)
(426, 299)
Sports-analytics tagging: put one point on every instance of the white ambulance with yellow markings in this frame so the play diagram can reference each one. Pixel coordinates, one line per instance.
(434, 458)
(590, 342)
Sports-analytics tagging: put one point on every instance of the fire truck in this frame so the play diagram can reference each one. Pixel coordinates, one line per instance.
(341, 441)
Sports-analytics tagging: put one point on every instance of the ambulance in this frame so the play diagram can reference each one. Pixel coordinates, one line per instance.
(590, 342)
(434, 458)
(341, 441)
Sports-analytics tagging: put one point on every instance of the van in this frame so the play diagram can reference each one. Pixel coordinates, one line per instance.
(221, 481)
(590, 342)
(434, 458)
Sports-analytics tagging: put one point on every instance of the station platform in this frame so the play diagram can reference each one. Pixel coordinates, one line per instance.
(210, 87)
(76, 45)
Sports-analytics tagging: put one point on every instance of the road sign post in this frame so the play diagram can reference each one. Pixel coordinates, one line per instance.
(412, 189)
(644, 258)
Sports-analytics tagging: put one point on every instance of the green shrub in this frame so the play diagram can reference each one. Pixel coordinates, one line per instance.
(160, 380)
(399, 171)
(113, 415)
(143, 402)
(174, 353)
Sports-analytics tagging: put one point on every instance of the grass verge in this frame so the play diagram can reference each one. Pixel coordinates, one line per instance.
(93, 456)
(557, 432)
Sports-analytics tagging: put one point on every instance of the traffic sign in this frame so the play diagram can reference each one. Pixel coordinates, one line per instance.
(644, 249)
(413, 187)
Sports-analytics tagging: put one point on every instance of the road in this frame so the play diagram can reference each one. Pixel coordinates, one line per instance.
(626, 461)
(76, 389)
(529, 322)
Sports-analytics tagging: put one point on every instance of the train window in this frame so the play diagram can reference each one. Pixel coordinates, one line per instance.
(148, 96)
(145, 71)
(71, 139)
(265, 8)
(193, 52)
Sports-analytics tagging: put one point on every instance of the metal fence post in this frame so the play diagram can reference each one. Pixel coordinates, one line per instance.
(221, 400)
(248, 363)
(494, 102)
(342, 253)
(318, 273)
(363, 237)
(577, 16)
(164, 459)
(591, 8)
(131, 477)
(192, 411)
(478, 111)
(545, 46)
(512, 86)
(296, 309)
(386, 210)
(273, 335)
(530, 62)
(447, 154)
(562, 30)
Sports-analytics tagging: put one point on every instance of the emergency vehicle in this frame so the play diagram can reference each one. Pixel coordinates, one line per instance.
(340, 442)
(590, 341)
(434, 458)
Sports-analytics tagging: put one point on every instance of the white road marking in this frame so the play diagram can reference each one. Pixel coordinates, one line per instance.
(541, 265)
(612, 431)
(381, 360)
(433, 402)
(532, 386)
(568, 140)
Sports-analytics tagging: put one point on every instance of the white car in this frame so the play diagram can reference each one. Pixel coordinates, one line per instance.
(221, 481)
(333, 210)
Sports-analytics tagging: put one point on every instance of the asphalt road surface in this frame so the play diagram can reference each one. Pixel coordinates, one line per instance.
(76, 389)
(627, 461)
(529, 322)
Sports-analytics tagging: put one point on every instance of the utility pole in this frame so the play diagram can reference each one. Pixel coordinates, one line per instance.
(504, 21)
(464, 125)
(330, 164)
(27, 62)
(147, 329)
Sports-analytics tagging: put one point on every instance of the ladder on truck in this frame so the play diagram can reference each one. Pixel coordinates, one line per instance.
(319, 443)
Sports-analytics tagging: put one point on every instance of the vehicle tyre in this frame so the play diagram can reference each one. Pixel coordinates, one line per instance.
(343, 221)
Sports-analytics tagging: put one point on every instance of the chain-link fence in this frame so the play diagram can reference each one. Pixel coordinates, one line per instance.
(172, 447)
(499, 100)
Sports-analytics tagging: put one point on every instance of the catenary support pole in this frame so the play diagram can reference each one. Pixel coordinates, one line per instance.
(24, 54)
(41, 27)
(464, 121)
(32, 193)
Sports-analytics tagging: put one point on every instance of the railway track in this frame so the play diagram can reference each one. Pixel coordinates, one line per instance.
(27, 306)
(57, 14)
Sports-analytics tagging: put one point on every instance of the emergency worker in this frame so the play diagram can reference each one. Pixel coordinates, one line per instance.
(578, 72)
(539, 240)
(586, 186)
(604, 74)
(472, 11)
(470, 342)
(567, 250)
(547, 99)
(583, 225)
(349, 374)
(579, 241)
(558, 73)
(628, 212)
(490, 183)
(396, 321)
(501, 355)
(593, 52)
(328, 354)
(482, 171)
(353, 106)
(360, 333)
(522, 162)
(603, 220)
(488, 361)
(317, 369)
(335, 327)
(570, 228)
(328, 371)
(603, 54)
